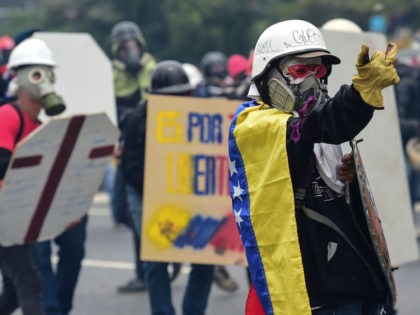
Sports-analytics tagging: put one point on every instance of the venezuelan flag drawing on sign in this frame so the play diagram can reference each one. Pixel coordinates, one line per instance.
(187, 211)
(263, 205)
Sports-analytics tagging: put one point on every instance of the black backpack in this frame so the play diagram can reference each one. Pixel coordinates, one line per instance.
(21, 125)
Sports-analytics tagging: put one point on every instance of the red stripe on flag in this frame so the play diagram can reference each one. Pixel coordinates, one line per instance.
(56, 173)
(27, 161)
(101, 152)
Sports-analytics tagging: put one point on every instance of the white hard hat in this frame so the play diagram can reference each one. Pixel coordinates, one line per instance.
(291, 37)
(340, 24)
(193, 73)
(31, 51)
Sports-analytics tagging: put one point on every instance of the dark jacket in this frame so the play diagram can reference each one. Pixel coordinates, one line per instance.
(344, 277)
(133, 139)
(341, 277)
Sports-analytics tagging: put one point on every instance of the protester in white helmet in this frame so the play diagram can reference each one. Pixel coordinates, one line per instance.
(279, 169)
(33, 86)
(33, 64)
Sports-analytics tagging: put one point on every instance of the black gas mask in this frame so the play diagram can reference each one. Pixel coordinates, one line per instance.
(130, 53)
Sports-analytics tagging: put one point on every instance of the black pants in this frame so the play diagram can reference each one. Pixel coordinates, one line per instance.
(21, 282)
(358, 308)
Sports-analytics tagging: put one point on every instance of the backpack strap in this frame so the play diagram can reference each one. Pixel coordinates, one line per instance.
(22, 122)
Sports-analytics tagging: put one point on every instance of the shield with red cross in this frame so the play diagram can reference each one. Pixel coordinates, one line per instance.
(53, 176)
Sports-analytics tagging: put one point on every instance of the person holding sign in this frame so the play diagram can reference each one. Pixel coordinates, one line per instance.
(307, 241)
(169, 78)
(32, 64)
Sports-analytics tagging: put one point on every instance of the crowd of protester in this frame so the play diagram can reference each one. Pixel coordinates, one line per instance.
(136, 74)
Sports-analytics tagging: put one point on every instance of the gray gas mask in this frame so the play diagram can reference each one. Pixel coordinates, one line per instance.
(310, 86)
(38, 81)
(288, 96)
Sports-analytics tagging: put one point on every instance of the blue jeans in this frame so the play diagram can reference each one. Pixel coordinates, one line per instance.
(108, 182)
(134, 204)
(59, 287)
(135, 207)
(159, 289)
(21, 282)
(357, 308)
(119, 199)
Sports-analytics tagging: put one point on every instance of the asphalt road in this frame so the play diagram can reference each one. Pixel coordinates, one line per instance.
(108, 264)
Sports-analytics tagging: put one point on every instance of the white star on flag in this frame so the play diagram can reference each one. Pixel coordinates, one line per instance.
(238, 218)
(237, 191)
(232, 167)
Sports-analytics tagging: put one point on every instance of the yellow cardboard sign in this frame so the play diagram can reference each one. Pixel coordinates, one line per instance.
(187, 210)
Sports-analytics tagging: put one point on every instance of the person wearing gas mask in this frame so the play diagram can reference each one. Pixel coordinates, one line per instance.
(32, 64)
(132, 67)
(283, 161)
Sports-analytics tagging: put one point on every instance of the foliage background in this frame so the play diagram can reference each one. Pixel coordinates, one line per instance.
(186, 29)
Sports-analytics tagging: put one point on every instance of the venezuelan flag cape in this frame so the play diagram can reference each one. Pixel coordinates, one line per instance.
(263, 205)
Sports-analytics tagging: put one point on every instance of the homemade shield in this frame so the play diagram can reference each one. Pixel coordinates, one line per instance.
(382, 147)
(52, 177)
(373, 221)
(84, 74)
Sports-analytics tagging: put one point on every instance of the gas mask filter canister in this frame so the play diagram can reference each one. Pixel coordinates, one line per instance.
(130, 53)
(39, 81)
(279, 93)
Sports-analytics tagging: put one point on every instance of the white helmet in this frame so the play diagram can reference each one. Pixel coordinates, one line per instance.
(341, 25)
(291, 37)
(194, 74)
(31, 51)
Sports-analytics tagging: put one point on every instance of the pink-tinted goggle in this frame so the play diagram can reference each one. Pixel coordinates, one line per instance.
(300, 71)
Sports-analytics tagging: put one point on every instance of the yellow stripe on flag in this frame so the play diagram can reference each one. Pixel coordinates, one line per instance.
(260, 135)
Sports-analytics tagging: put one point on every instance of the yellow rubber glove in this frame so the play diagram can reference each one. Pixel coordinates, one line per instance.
(373, 75)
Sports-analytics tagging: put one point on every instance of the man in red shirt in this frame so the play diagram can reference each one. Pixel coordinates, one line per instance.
(32, 64)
